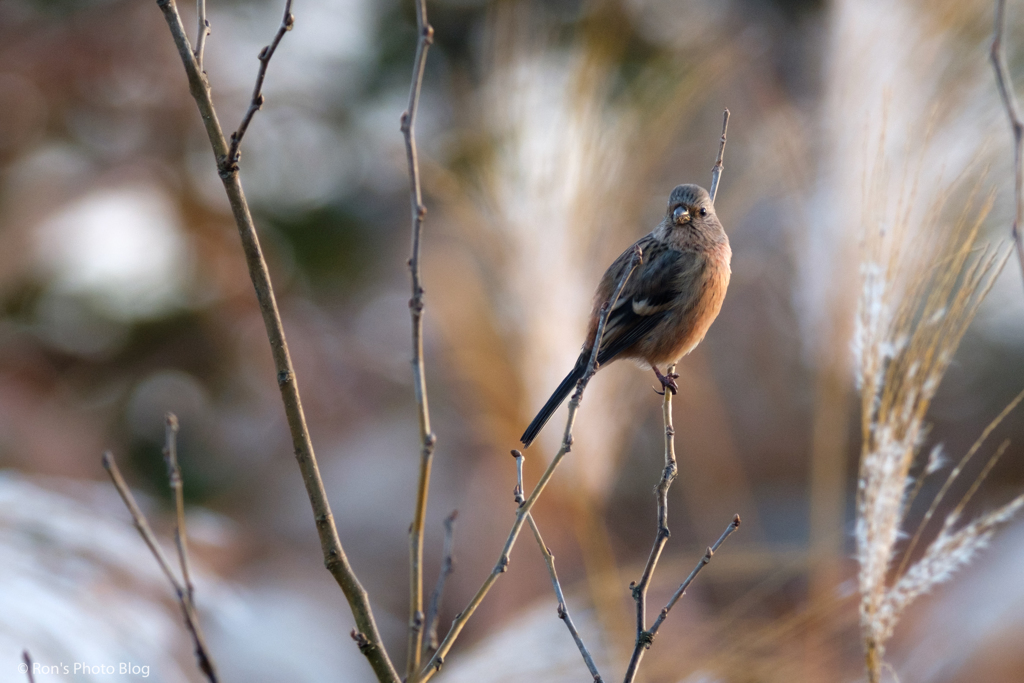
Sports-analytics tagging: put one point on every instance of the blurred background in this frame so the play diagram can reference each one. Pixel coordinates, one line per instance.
(551, 134)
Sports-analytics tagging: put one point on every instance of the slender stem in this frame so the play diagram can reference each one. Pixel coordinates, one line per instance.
(184, 599)
(733, 525)
(668, 475)
(26, 658)
(873, 660)
(434, 665)
(334, 554)
(139, 520)
(716, 170)
(427, 438)
(1006, 92)
(257, 92)
(202, 33)
(447, 567)
(951, 478)
(549, 559)
(644, 638)
(518, 490)
(174, 479)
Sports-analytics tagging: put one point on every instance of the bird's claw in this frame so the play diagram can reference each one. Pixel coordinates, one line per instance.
(668, 382)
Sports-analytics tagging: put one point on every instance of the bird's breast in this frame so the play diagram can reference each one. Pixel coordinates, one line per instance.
(682, 331)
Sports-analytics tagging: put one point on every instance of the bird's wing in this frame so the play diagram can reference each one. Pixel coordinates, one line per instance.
(666, 281)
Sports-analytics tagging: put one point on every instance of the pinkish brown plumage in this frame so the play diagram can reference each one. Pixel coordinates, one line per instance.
(667, 304)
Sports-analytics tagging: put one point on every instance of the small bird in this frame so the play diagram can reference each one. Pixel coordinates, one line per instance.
(667, 304)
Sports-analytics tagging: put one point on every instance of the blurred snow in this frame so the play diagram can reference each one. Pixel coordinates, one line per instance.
(121, 247)
(534, 646)
(81, 586)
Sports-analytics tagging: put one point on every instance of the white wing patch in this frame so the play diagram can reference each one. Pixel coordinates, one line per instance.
(644, 307)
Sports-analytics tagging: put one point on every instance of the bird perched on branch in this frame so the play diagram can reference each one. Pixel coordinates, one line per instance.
(666, 305)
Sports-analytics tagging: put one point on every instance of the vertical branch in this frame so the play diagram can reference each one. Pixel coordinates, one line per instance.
(427, 438)
(434, 665)
(174, 479)
(668, 475)
(648, 636)
(26, 659)
(188, 611)
(549, 560)
(1009, 97)
(201, 35)
(873, 659)
(733, 526)
(335, 559)
(447, 567)
(644, 638)
(716, 170)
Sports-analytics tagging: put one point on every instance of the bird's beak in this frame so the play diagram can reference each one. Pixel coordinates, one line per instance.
(681, 214)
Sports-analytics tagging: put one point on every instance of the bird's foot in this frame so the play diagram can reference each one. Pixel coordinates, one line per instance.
(668, 382)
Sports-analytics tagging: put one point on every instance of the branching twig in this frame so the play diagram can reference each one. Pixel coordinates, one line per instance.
(203, 32)
(733, 525)
(427, 438)
(27, 659)
(174, 477)
(434, 665)
(549, 559)
(183, 594)
(644, 638)
(716, 170)
(648, 636)
(334, 554)
(639, 590)
(447, 567)
(1006, 91)
(257, 92)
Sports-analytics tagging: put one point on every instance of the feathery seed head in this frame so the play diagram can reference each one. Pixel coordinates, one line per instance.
(922, 283)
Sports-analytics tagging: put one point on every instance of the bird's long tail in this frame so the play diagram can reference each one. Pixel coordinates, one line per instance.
(563, 390)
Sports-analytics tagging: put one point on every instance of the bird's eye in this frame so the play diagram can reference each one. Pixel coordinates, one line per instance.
(703, 211)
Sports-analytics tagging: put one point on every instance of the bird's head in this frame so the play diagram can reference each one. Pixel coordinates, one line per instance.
(691, 215)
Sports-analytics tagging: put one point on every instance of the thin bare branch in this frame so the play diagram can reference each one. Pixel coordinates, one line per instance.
(716, 170)
(733, 526)
(174, 479)
(139, 520)
(257, 92)
(26, 659)
(427, 438)
(1006, 91)
(202, 33)
(639, 590)
(644, 638)
(563, 609)
(435, 663)
(549, 559)
(518, 490)
(335, 558)
(184, 598)
(447, 567)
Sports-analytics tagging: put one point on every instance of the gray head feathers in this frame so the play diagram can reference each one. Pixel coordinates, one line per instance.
(690, 196)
